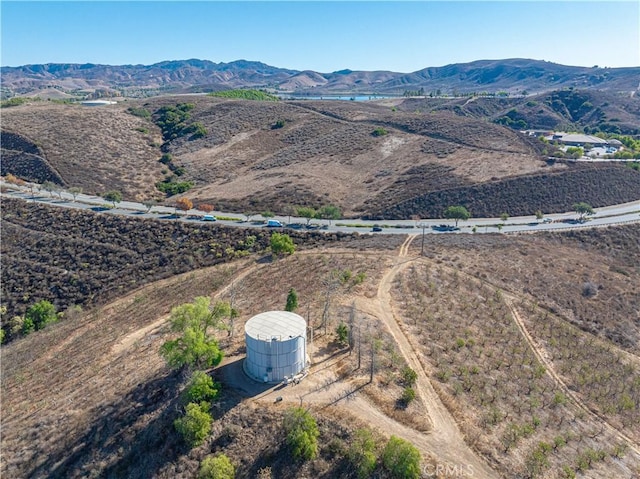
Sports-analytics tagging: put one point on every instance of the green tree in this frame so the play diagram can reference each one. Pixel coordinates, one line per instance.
(40, 314)
(198, 130)
(575, 152)
(113, 196)
(196, 423)
(282, 244)
(504, 216)
(409, 376)
(539, 214)
(195, 347)
(457, 213)
(218, 467)
(306, 212)
(302, 433)
(408, 395)
(362, 453)
(583, 209)
(401, 459)
(329, 212)
(343, 333)
(75, 191)
(292, 300)
(27, 326)
(202, 388)
(50, 187)
(246, 94)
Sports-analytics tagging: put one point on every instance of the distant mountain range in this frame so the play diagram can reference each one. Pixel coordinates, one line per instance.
(183, 76)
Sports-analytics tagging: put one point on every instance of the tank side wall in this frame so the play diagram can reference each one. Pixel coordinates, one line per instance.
(275, 359)
(288, 358)
(258, 357)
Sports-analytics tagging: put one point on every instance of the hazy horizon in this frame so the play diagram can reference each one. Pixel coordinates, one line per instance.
(321, 36)
(287, 68)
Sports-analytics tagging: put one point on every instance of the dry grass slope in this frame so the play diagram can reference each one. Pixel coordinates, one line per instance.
(259, 156)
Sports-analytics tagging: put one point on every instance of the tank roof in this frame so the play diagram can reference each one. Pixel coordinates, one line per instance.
(282, 325)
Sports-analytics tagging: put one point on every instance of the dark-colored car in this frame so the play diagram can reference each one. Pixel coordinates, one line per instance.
(376, 229)
(444, 228)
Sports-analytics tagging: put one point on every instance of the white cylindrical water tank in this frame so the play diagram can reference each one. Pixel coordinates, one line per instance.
(276, 346)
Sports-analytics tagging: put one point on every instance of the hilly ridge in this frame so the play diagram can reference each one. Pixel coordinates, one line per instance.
(566, 109)
(510, 75)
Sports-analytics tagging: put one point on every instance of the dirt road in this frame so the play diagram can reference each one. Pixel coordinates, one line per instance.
(444, 441)
(541, 356)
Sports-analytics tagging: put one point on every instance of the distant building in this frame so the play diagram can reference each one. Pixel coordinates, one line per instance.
(577, 139)
(538, 133)
(98, 103)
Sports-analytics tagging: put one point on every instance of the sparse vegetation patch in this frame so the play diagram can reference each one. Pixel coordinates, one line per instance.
(245, 94)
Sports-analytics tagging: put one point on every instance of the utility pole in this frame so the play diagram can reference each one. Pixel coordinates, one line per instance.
(359, 347)
(352, 321)
(310, 350)
(372, 362)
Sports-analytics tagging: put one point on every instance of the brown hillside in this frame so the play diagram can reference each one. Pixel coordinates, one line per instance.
(259, 156)
(96, 148)
(567, 109)
(327, 153)
(74, 257)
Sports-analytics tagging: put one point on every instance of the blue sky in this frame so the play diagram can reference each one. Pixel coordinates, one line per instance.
(321, 36)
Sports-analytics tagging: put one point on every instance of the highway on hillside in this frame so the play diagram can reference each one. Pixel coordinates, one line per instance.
(609, 215)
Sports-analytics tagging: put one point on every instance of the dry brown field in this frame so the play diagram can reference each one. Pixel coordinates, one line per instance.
(523, 369)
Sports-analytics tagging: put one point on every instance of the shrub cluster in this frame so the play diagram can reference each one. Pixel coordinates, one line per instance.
(171, 187)
(139, 111)
(245, 94)
(172, 120)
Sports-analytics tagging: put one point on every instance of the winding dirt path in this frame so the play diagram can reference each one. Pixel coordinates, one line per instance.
(129, 340)
(445, 441)
(541, 356)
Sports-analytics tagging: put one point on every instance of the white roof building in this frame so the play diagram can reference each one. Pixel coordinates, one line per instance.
(578, 139)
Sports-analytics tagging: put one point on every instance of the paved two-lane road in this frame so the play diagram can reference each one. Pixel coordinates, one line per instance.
(609, 215)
